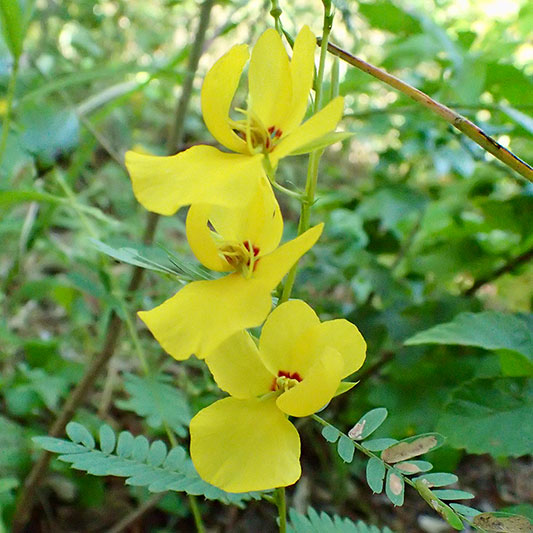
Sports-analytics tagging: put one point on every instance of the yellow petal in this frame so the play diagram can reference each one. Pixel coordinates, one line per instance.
(272, 268)
(237, 368)
(318, 125)
(199, 317)
(317, 387)
(269, 79)
(201, 174)
(281, 330)
(245, 445)
(218, 90)
(302, 72)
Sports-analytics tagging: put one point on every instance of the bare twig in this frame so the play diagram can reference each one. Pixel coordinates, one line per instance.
(131, 518)
(455, 119)
(508, 267)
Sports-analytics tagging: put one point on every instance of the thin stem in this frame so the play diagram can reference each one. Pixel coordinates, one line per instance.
(175, 138)
(455, 119)
(200, 528)
(9, 106)
(276, 13)
(282, 509)
(131, 518)
(314, 158)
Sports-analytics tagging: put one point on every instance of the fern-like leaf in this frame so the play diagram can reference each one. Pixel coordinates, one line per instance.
(143, 464)
(324, 523)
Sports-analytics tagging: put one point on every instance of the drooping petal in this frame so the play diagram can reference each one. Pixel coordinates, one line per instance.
(245, 445)
(281, 330)
(238, 369)
(199, 317)
(317, 387)
(218, 90)
(318, 125)
(269, 79)
(302, 72)
(201, 174)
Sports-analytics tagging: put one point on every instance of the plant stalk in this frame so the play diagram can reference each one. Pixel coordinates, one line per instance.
(314, 158)
(281, 503)
(455, 119)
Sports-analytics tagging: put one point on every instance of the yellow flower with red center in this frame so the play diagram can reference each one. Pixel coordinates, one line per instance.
(243, 242)
(267, 130)
(245, 442)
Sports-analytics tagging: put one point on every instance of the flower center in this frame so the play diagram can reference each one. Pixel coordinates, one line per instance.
(285, 381)
(258, 137)
(242, 256)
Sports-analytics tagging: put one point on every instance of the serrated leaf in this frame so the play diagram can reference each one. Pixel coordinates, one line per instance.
(437, 479)
(345, 449)
(502, 523)
(330, 433)
(453, 494)
(314, 522)
(108, 439)
(158, 402)
(79, 434)
(375, 474)
(395, 488)
(368, 423)
(413, 467)
(490, 416)
(412, 447)
(490, 330)
(377, 445)
(469, 512)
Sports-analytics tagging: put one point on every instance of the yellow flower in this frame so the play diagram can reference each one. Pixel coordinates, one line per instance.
(241, 241)
(270, 128)
(246, 442)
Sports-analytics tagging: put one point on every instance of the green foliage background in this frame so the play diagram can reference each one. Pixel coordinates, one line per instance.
(423, 231)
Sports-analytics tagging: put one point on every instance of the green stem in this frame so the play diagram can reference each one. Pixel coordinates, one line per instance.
(276, 13)
(314, 158)
(282, 509)
(200, 528)
(9, 106)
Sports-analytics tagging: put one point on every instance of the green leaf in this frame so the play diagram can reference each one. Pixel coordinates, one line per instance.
(160, 403)
(78, 434)
(413, 467)
(412, 447)
(377, 445)
(464, 510)
(395, 488)
(368, 423)
(375, 474)
(345, 449)
(453, 494)
(139, 462)
(438, 479)
(387, 16)
(108, 439)
(490, 330)
(520, 118)
(12, 23)
(323, 142)
(490, 416)
(330, 433)
(324, 523)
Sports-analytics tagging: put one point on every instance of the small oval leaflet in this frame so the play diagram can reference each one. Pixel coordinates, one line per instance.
(108, 439)
(345, 449)
(375, 473)
(499, 523)
(79, 434)
(438, 479)
(330, 433)
(377, 445)
(412, 447)
(368, 423)
(414, 467)
(394, 488)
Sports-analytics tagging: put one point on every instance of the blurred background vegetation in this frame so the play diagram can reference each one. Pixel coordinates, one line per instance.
(421, 225)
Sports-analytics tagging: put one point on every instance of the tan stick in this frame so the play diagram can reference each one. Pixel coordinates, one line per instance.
(455, 119)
